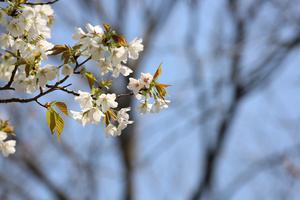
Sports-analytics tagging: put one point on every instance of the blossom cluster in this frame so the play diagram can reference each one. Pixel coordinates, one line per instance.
(7, 147)
(94, 110)
(109, 49)
(145, 87)
(27, 34)
(28, 28)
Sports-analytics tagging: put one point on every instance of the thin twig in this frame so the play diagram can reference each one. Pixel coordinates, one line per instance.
(36, 97)
(40, 103)
(7, 88)
(13, 72)
(125, 95)
(12, 77)
(41, 3)
(63, 89)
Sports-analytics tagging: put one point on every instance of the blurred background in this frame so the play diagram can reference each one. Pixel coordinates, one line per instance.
(231, 130)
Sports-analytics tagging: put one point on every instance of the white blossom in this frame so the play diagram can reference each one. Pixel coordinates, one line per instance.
(80, 117)
(6, 70)
(98, 52)
(159, 104)
(95, 115)
(26, 20)
(123, 120)
(122, 115)
(3, 19)
(91, 116)
(6, 40)
(94, 30)
(144, 107)
(15, 28)
(18, 82)
(26, 84)
(104, 66)
(85, 100)
(3, 135)
(107, 101)
(110, 130)
(45, 74)
(121, 69)
(134, 48)
(38, 28)
(18, 44)
(67, 70)
(30, 11)
(8, 147)
(118, 55)
(44, 11)
(27, 50)
(42, 46)
(135, 86)
(79, 34)
(146, 79)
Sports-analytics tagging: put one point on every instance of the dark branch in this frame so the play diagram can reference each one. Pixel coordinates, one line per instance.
(41, 3)
(270, 161)
(63, 88)
(125, 95)
(36, 97)
(34, 168)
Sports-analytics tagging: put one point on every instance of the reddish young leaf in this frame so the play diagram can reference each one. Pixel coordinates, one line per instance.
(158, 72)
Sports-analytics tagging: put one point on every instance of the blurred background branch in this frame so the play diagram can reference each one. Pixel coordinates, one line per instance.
(231, 131)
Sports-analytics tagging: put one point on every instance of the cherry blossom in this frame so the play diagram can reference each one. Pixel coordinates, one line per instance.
(85, 100)
(7, 147)
(135, 46)
(159, 104)
(46, 73)
(146, 79)
(118, 55)
(110, 130)
(104, 66)
(144, 107)
(67, 70)
(135, 85)
(107, 101)
(3, 19)
(6, 40)
(121, 69)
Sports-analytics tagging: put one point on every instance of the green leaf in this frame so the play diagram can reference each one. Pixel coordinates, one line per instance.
(58, 49)
(59, 122)
(36, 55)
(65, 56)
(23, 1)
(91, 79)
(51, 120)
(55, 122)
(76, 47)
(62, 107)
(21, 62)
(27, 70)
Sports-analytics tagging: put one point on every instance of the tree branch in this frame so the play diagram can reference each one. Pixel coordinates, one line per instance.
(253, 170)
(33, 98)
(41, 3)
(63, 88)
(125, 95)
